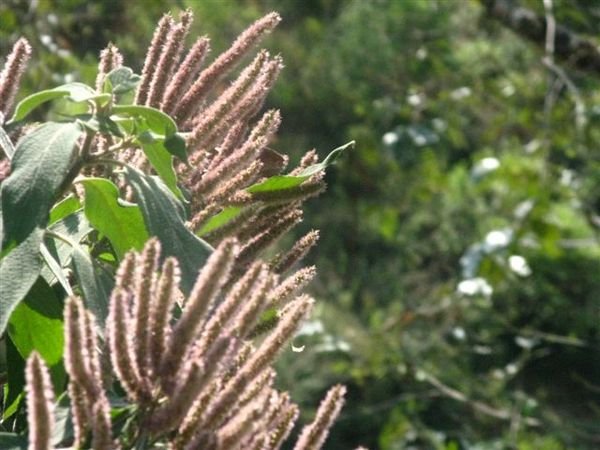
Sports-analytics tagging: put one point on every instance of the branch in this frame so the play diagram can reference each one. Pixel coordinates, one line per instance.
(476, 405)
(568, 46)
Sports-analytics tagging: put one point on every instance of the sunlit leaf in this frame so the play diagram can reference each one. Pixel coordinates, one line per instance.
(120, 81)
(66, 206)
(220, 219)
(163, 215)
(37, 324)
(95, 282)
(18, 271)
(162, 162)
(6, 144)
(76, 92)
(122, 224)
(157, 121)
(281, 182)
(39, 167)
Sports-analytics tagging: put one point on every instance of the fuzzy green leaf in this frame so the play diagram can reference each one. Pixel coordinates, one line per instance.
(39, 167)
(175, 144)
(6, 145)
(15, 377)
(220, 219)
(162, 162)
(37, 324)
(53, 270)
(280, 182)
(66, 206)
(18, 271)
(12, 441)
(76, 92)
(156, 120)
(163, 215)
(330, 159)
(277, 183)
(120, 81)
(122, 224)
(95, 283)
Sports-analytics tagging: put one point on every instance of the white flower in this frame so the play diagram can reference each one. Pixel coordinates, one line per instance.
(519, 265)
(475, 286)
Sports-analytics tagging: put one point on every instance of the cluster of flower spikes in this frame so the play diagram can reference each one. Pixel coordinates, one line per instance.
(198, 380)
(227, 144)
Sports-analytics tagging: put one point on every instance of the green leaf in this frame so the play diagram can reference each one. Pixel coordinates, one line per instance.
(164, 218)
(220, 219)
(18, 271)
(12, 441)
(40, 165)
(156, 120)
(56, 270)
(57, 253)
(6, 145)
(330, 159)
(277, 183)
(175, 144)
(13, 390)
(281, 182)
(76, 92)
(162, 162)
(74, 227)
(63, 426)
(37, 324)
(122, 225)
(66, 206)
(95, 283)
(120, 81)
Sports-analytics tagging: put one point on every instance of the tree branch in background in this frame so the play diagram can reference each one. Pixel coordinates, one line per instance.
(568, 46)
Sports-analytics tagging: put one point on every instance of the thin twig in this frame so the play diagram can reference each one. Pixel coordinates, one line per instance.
(478, 406)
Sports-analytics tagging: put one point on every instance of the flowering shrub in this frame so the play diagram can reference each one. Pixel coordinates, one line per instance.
(146, 211)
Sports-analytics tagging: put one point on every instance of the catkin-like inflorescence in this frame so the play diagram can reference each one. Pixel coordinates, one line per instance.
(144, 288)
(110, 59)
(77, 357)
(154, 52)
(185, 74)
(122, 352)
(242, 157)
(230, 306)
(291, 285)
(282, 224)
(160, 311)
(223, 65)
(10, 77)
(169, 57)
(283, 424)
(40, 403)
(284, 262)
(313, 436)
(209, 282)
(212, 117)
(202, 368)
(89, 403)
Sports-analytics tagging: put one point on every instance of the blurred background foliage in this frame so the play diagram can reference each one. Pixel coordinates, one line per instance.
(459, 286)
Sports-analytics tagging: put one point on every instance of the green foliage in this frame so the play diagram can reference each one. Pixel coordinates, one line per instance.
(121, 223)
